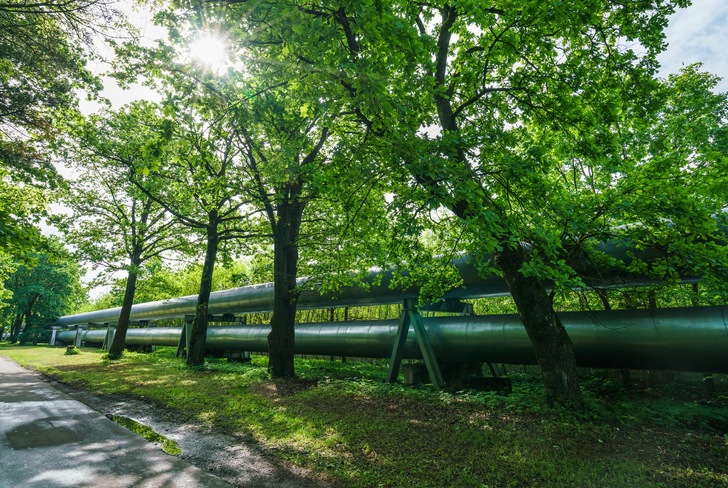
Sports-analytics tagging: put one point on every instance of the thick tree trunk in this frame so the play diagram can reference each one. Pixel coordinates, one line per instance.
(198, 336)
(281, 343)
(551, 344)
(117, 346)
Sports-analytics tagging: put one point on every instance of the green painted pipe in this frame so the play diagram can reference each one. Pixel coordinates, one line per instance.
(678, 339)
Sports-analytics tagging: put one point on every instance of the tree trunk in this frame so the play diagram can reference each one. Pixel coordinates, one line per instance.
(281, 340)
(117, 346)
(551, 344)
(198, 336)
(15, 329)
(27, 328)
(29, 319)
(602, 294)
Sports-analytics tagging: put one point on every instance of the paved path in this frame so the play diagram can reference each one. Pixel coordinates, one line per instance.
(48, 440)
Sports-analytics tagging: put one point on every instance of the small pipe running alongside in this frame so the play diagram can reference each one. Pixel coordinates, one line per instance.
(678, 339)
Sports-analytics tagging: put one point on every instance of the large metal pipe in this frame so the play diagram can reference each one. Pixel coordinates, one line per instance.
(259, 298)
(679, 339)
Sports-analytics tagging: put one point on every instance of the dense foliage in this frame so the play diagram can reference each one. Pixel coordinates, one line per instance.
(43, 68)
(42, 71)
(41, 289)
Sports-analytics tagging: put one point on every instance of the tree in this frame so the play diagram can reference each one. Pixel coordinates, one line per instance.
(41, 292)
(283, 136)
(43, 66)
(197, 176)
(42, 70)
(290, 147)
(459, 90)
(113, 224)
(498, 162)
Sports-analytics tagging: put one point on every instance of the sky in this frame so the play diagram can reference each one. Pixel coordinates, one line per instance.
(699, 33)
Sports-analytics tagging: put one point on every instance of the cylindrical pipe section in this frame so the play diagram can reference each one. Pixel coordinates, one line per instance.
(679, 339)
(259, 298)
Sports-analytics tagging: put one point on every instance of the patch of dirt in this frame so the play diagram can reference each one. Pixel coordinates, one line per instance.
(280, 388)
(237, 459)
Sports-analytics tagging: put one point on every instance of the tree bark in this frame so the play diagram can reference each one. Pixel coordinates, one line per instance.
(198, 336)
(117, 346)
(28, 326)
(281, 340)
(28, 319)
(551, 344)
(15, 329)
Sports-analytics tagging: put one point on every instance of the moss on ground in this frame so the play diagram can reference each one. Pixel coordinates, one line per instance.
(168, 445)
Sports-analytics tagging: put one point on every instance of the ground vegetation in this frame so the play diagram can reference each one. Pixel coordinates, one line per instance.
(349, 429)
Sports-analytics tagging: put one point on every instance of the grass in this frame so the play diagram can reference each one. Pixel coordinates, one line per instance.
(168, 445)
(341, 419)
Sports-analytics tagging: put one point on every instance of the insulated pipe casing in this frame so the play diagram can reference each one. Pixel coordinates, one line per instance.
(680, 339)
(259, 298)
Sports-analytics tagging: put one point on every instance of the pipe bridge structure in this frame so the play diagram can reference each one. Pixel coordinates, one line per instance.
(681, 339)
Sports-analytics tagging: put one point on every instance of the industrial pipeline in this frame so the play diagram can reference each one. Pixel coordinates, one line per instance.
(678, 339)
(376, 290)
(689, 339)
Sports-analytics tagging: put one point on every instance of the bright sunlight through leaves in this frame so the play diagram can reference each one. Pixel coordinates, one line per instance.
(211, 52)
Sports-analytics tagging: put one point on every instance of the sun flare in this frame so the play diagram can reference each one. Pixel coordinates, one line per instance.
(212, 52)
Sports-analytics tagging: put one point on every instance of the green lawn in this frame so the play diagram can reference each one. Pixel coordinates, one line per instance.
(340, 418)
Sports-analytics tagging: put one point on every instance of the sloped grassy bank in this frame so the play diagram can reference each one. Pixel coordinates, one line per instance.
(342, 420)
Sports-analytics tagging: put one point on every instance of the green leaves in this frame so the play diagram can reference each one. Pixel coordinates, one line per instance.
(45, 288)
(114, 223)
(42, 67)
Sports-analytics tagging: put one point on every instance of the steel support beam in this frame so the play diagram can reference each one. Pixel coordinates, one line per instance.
(109, 339)
(79, 336)
(184, 339)
(411, 316)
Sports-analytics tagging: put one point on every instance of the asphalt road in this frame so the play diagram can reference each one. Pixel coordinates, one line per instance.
(48, 440)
